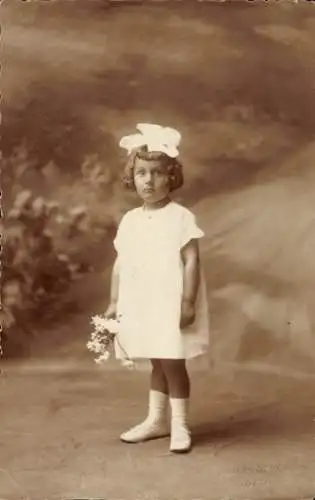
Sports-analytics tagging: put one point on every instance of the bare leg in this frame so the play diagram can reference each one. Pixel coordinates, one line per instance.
(177, 377)
(158, 378)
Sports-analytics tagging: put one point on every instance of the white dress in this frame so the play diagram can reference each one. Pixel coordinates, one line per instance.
(148, 244)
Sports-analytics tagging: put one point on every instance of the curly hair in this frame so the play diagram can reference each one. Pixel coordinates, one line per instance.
(174, 168)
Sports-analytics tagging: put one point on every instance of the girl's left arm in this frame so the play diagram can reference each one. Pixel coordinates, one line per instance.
(191, 262)
(191, 281)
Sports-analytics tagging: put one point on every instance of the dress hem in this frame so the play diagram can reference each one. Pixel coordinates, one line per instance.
(186, 357)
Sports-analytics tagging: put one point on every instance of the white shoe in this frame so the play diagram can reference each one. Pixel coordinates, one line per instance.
(155, 425)
(180, 439)
(145, 431)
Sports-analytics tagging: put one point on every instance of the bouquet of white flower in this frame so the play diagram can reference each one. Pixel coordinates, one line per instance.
(102, 339)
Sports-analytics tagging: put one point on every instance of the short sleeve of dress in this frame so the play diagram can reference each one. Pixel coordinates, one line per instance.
(189, 229)
(121, 237)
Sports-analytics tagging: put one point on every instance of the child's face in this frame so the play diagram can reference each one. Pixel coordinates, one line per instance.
(151, 180)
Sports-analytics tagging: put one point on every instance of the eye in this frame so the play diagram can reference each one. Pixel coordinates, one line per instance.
(159, 172)
(140, 173)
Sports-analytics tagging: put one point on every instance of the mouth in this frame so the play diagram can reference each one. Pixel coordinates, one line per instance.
(148, 190)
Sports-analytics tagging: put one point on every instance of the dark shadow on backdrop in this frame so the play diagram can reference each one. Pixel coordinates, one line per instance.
(269, 78)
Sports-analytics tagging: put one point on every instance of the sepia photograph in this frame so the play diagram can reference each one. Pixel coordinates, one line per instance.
(157, 335)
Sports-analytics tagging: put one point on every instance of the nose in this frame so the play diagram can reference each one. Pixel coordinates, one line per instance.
(148, 180)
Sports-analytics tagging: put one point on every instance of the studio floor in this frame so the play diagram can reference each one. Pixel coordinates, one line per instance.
(254, 437)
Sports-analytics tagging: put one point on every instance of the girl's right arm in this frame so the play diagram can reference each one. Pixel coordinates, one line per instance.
(119, 242)
(112, 308)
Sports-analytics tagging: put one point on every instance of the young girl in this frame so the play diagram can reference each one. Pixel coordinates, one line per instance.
(157, 288)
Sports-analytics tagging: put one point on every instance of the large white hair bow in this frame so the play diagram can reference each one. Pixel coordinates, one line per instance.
(155, 137)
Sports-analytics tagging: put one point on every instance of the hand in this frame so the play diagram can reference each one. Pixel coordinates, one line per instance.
(111, 312)
(188, 314)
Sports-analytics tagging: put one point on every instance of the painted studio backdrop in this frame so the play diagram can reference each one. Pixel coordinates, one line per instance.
(238, 81)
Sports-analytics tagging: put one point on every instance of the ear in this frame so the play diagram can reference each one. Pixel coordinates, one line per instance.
(176, 178)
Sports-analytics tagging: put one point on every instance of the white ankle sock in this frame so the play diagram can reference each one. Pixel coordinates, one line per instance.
(157, 406)
(180, 433)
(179, 409)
